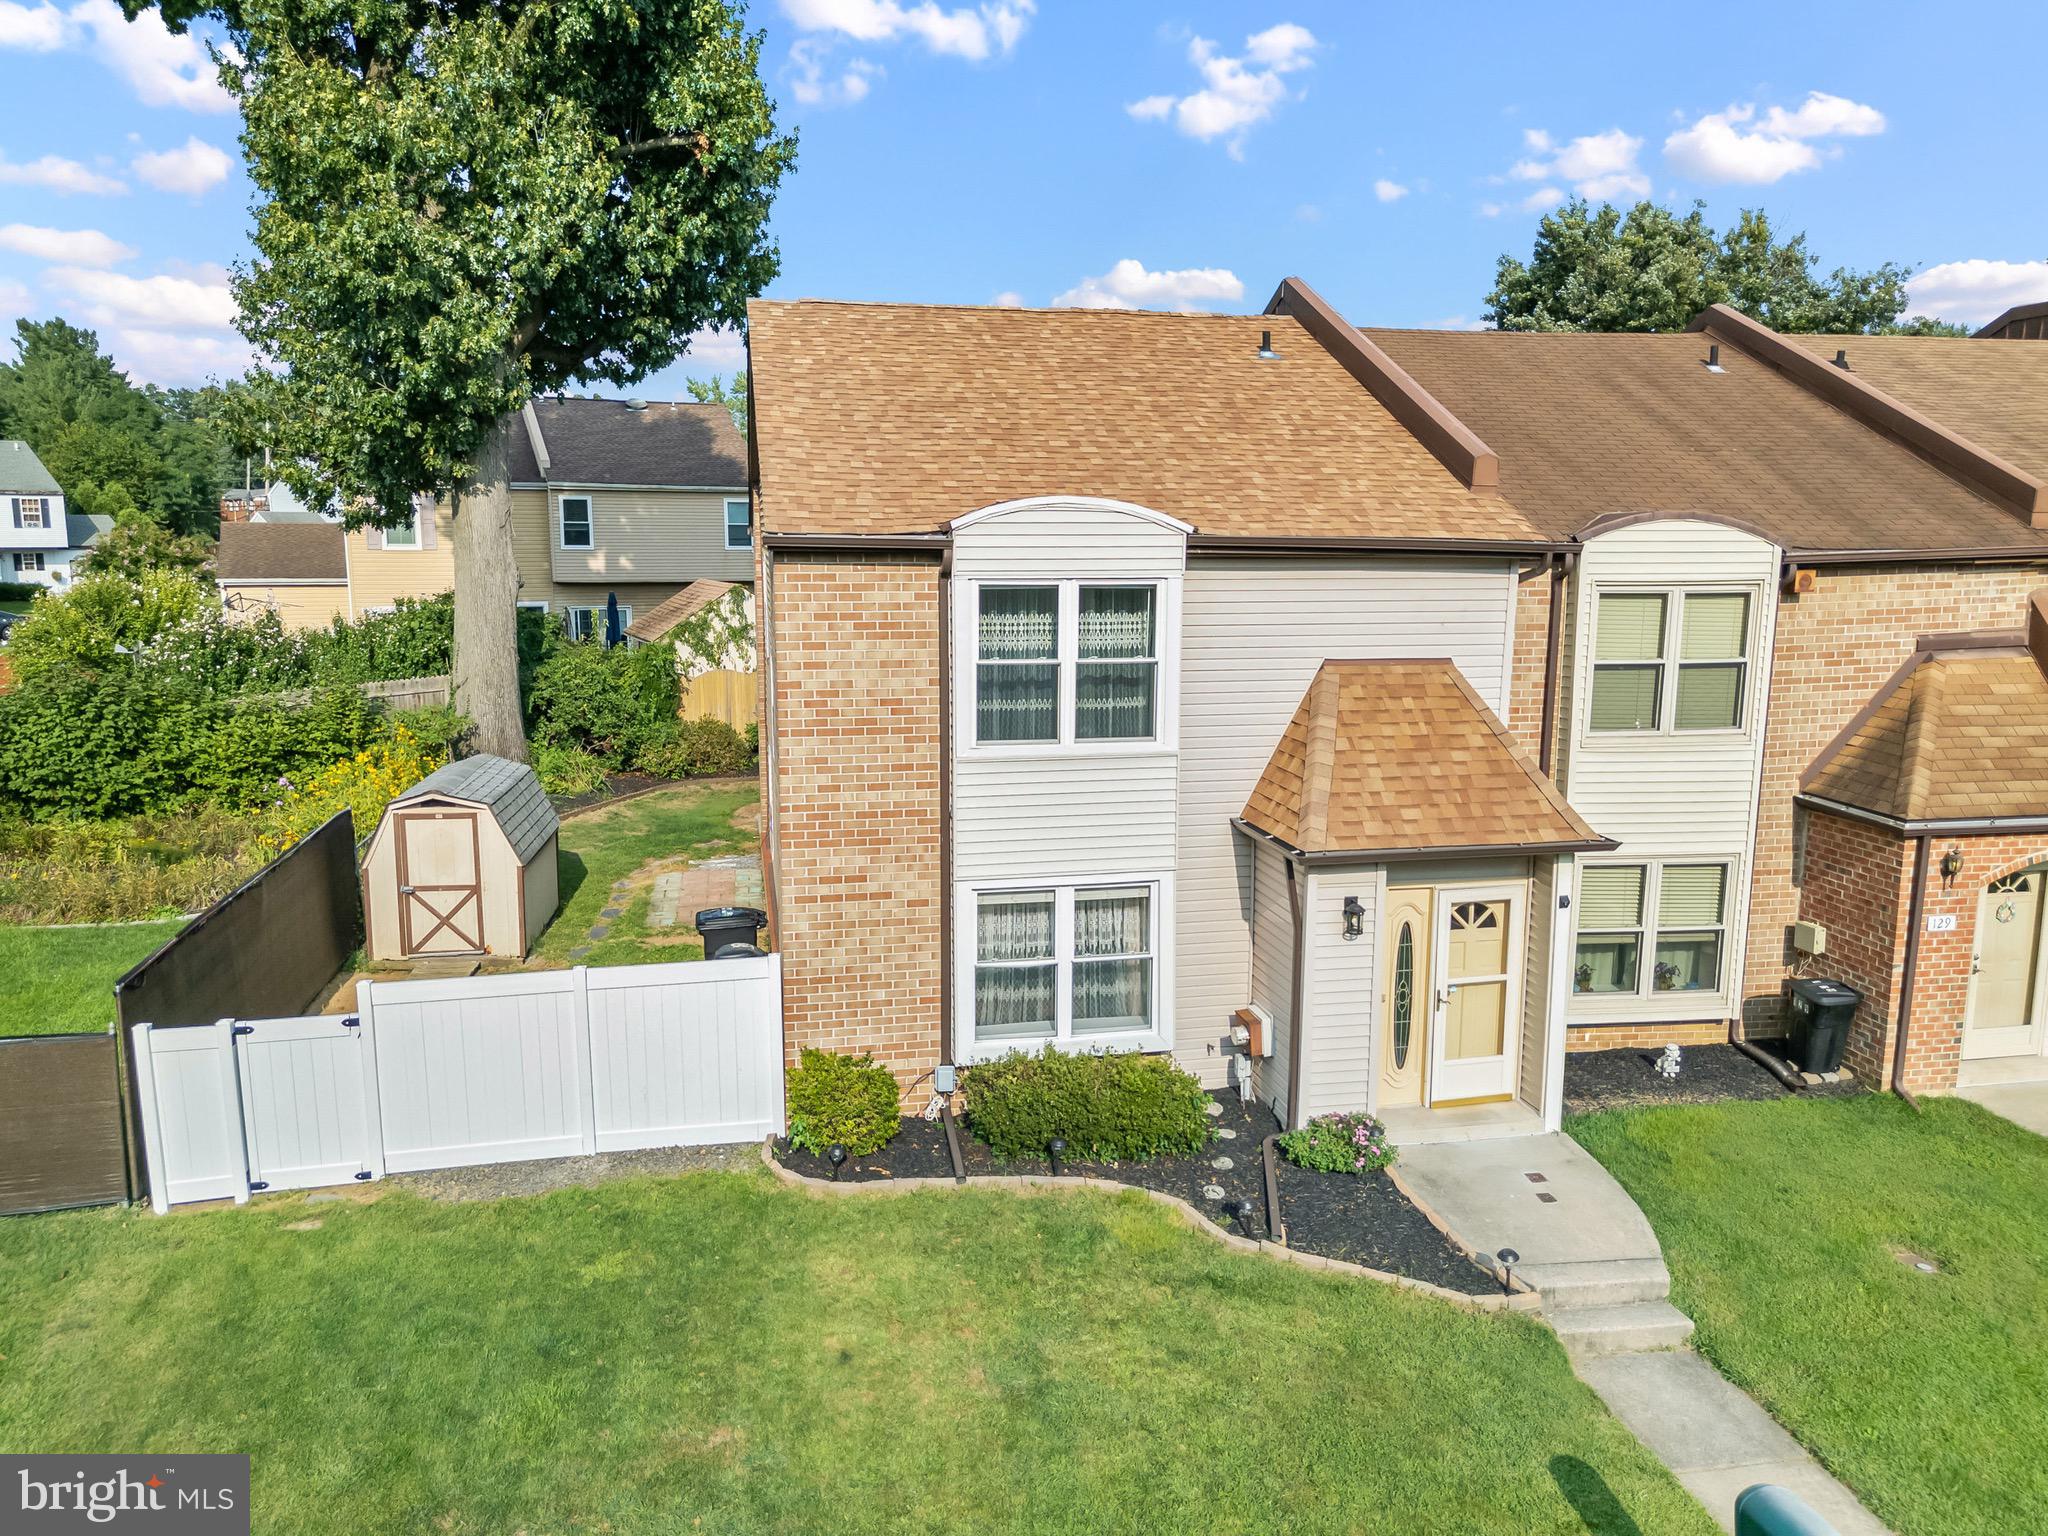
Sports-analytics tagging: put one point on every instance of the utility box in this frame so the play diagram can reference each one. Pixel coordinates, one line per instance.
(1817, 1016)
(1809, 938)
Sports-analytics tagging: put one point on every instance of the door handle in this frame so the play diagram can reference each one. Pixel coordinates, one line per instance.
(405, 890)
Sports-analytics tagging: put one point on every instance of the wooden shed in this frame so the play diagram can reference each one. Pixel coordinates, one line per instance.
(463, 863)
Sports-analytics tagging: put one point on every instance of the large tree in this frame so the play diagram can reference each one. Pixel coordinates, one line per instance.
(462, 203)
(1653, 270)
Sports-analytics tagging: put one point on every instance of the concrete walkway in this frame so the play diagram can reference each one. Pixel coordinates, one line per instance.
(1590, 1252)
(2024, 1104)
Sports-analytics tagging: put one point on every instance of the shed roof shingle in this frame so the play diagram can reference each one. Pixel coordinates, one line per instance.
(510, 791)
(280, 553)
(899, 418)
(1402, 756)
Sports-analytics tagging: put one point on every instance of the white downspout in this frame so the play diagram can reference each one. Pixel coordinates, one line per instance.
(1563, 925)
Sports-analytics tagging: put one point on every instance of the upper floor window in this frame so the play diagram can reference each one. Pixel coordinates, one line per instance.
(739, 523)
(1670, 661)
(1031, 639)
(31, 512)
(404, 535)
(575, 522)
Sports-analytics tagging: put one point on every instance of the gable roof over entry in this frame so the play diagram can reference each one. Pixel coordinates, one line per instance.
(1401, 758)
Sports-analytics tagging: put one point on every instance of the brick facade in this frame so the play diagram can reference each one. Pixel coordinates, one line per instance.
(856, 804)
(1610, 1037)
(1531, 650)
(1836, 645)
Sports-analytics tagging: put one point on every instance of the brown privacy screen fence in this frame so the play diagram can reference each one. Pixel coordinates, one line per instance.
(61, 1123)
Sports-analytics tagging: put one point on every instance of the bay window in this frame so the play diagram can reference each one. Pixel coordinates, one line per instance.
(1065, 964)
(1059, 663)
(1636, 686)
(1686, 939)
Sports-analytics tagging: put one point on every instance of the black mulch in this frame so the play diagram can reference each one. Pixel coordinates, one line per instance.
(1341, 1216)
(1707, 1074)
(617, 786)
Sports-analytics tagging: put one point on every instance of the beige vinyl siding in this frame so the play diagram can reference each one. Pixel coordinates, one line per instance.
(297, 606)
(1049, 540)
(1667, 795)
(377, 578)
(646, 536)
(542, 893)
(1342, 990)
(1536, 1022)
(1253, 633)
(1272, 964)
(1056, 816)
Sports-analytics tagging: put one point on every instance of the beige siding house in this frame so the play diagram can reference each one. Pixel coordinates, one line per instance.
(299, 571)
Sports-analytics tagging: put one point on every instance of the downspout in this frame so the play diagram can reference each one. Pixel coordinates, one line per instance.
(771, 797)
(1913, 922)
(1296, 1029)
(1559, 569)
(946, 807)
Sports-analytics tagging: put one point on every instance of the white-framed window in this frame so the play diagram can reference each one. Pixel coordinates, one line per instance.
(575, 511)
(1670, 661)
(1067, 663)
(405, 535)
(739, 523)
(583, 622)
(29, 560)
(1674, 912)
(31, 512)
(1076, 964)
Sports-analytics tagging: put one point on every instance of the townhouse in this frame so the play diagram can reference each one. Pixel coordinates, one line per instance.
(1362, 717)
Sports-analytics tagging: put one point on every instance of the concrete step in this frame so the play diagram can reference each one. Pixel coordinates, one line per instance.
(1597, 1282)
(1629, 1328)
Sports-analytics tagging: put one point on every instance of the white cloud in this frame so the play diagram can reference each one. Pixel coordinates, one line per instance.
(965, 32)
(57, 174)
(1236, 92)
(190, 169)
(1456, 323)
(716, 350)
(72, 247)
(1128, 285)
(37, 29)
(1388, 191)
(1009, 298)
(1737, 146)
(163, 302)
(14, 298)
(1974, 291)
(175, 358)
(811, 84)
(164, 68)
(1600, 167)
(1542, 200)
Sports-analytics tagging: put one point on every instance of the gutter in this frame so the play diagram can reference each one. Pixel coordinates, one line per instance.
(946, 978)
(1926, 828)
(1297, 1004)
(1261, 544)
(1400, 855)
(854, 543)
(1560, 570)
(1968, 555)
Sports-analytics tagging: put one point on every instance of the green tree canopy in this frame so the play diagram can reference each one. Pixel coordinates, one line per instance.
(719, 390)
(461, 205)
(1653, 270)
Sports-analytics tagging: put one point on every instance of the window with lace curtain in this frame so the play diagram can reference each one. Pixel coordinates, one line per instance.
(1066, 963)
(1066, 662)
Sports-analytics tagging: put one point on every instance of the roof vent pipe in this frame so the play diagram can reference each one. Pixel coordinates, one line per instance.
(1266, 351)
(1714, 358)
(1842, 358)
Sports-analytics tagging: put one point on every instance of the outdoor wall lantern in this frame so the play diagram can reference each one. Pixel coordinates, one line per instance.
(1354, 917)
(1951, 866)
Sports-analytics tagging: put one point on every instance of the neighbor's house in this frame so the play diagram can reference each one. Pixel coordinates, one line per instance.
(299, 571)
(1205, 680)
(40, 542)
(624, 497)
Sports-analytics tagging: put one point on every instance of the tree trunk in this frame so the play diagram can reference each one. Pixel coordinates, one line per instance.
(486, 669)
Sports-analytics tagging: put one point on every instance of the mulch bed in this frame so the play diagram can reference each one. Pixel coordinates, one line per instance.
(1361, 1220)
(618, 786)
(1708, 1074)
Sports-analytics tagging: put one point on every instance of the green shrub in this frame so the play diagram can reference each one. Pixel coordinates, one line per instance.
(1344, 1143)
(19, 591)
(1113, 1108)
(685, 749)
(844, 1099)
(72, 871)
(442, 727)
(567, 770)
(605, 700)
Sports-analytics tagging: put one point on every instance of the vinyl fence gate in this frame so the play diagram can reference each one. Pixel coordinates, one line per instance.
(457, 1072)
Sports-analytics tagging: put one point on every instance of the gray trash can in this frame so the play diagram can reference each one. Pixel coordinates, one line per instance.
(729, 930)
(1817, 1015)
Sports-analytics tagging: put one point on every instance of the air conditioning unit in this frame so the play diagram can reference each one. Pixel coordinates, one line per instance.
(1809, 938)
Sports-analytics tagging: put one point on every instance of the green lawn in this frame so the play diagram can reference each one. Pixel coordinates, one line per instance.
(692, 821)
(56, 981)
(715, 1353)
(1927, 1394)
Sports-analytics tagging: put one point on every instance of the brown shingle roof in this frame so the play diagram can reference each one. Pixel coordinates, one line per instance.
(1402, 756)
(1959, 736)
(604, 442)
(1592, 424)
(281, 553)
(676, 607)
(899, 418)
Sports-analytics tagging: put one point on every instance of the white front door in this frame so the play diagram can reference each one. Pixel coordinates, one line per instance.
(1472, 1048)
(2008, 992)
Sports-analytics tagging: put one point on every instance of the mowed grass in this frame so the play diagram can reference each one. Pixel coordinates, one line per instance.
(716, 1353)
(599, 847)
(1927, 1394)
(58, 981)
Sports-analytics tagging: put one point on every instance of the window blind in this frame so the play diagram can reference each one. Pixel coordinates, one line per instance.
(1690, 895)
(1716, 625)
(1630, 627)
(1610, 896)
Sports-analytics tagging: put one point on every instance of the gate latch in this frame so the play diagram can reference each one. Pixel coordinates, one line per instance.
(245, 1029)
(351, 1022)
(364, 1174)
(258, 1184)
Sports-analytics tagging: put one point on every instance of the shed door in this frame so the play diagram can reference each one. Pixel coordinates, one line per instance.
(440, 891)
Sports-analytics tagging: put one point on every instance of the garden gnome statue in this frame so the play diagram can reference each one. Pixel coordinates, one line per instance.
(1668, 1063)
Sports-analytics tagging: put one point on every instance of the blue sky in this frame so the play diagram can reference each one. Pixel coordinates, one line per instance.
(1146, 152)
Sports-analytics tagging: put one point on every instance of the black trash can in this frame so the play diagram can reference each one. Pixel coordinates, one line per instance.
(727, 930)
(1817, 1015)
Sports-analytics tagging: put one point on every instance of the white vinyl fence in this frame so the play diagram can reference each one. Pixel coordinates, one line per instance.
(477, 1069)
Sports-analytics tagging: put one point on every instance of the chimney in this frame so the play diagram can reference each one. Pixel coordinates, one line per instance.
(2037, 628)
